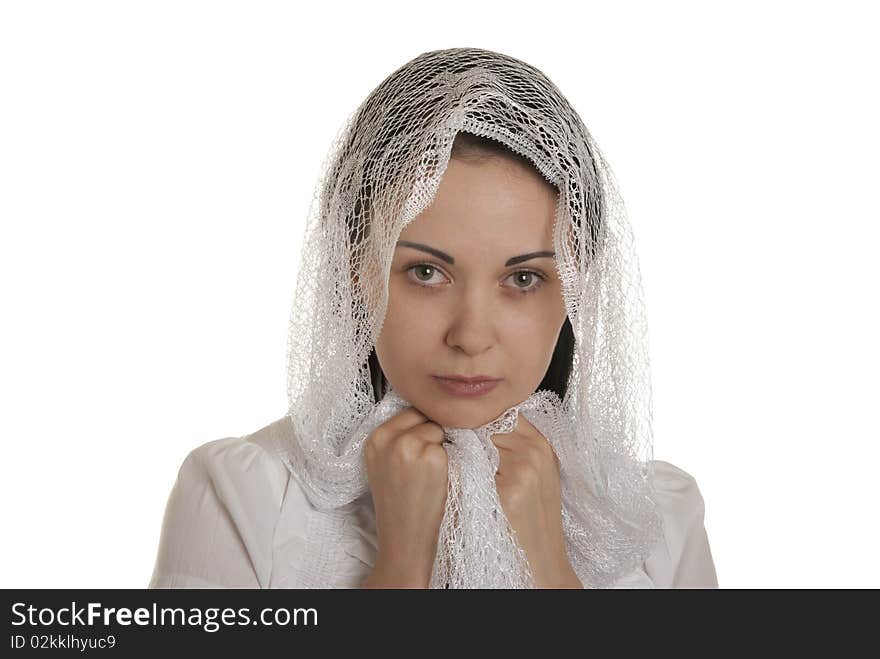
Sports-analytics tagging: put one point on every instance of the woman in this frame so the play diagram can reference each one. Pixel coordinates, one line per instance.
(466, 227)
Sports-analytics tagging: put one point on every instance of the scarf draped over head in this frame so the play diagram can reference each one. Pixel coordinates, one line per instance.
(383, 169)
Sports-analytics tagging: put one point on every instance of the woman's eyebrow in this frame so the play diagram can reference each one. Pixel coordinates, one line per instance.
(451, 261)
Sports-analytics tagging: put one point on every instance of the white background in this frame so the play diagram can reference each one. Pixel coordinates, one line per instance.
(157, 161)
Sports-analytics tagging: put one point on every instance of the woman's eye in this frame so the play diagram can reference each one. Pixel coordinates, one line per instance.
(424, 273)
(527, 281)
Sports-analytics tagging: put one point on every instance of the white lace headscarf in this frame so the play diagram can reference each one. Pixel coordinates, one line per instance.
(383, 169)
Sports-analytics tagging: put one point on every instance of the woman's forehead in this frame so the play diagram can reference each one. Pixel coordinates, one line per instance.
(493, 230)
(495, 214)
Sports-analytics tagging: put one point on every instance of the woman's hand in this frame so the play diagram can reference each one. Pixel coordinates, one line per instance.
(407, 470)
(529, 489)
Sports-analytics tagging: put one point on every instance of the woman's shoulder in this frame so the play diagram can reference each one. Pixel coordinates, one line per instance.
(243, 475)
(683, 557)
(221, 514)
(676, 488)
(237, 460)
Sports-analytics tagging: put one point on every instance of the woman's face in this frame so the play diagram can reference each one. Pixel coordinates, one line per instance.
(479, 314)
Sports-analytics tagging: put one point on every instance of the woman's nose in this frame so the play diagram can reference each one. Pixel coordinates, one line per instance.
(472, 326)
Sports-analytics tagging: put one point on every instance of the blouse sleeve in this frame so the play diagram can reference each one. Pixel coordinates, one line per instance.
(220, 518)
(682, 558)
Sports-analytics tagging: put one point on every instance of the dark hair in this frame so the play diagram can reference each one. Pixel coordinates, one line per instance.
(467, 146)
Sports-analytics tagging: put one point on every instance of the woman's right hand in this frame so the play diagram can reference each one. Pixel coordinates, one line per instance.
(407, 472)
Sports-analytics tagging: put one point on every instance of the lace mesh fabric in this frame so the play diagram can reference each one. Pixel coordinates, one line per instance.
(383, 169)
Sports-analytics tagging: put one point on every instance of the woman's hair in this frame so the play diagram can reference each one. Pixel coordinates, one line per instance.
(467, 146)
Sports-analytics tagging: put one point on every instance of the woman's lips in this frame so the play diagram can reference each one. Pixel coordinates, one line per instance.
(464, 388)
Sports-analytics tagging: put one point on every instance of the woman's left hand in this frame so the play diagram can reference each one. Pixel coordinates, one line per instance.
(528, 486)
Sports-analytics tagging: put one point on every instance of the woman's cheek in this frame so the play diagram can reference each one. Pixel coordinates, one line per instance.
(417, 317)
(535, 339)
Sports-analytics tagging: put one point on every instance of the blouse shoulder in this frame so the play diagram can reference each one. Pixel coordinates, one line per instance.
(677, 491)
(683, 557)
(220, 515)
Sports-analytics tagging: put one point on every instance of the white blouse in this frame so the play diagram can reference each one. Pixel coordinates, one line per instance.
(236, 518)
